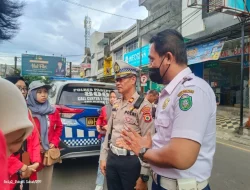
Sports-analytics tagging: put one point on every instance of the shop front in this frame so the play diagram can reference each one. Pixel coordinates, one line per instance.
(223, 72)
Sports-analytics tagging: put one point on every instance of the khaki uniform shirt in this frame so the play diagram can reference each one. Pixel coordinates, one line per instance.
(124, 114)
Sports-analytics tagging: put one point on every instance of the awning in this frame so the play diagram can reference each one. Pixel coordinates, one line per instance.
(205, 52)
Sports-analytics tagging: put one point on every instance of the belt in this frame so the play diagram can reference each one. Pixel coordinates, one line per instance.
(171, 184)
(121, 151)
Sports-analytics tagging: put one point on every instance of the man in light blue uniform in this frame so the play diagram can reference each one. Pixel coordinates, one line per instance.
(181, 152)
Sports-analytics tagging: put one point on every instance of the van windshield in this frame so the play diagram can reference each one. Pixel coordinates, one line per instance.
(84, 95)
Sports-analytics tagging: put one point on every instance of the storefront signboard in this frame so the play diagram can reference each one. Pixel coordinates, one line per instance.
(133, 57)
(211, 64)
(236, 51)
(205, 52)
(107, 66)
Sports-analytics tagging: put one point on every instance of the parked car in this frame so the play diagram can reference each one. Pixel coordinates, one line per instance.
(79, 103)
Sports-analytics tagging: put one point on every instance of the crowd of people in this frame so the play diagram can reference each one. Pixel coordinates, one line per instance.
(31, 127)
(156, 135)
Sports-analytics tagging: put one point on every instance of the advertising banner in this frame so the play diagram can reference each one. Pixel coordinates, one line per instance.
(205, 52)
(39, 65)
(107, 66)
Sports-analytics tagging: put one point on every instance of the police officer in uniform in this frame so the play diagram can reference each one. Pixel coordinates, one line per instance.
(123, 169)
(182, 150)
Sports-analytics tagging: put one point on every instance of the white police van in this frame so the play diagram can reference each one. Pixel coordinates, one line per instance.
(79, 103)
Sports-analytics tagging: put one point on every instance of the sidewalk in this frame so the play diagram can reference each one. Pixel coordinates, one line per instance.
(227, 128)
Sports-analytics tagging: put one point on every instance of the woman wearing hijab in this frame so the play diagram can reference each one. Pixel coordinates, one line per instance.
(15, 130)
(49, 125)
(30, 145)
(101, 126)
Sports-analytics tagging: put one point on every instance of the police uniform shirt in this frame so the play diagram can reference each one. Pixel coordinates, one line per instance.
(124, 115)
(187, 109)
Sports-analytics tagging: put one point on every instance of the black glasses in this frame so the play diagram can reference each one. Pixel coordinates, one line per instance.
(24, 89)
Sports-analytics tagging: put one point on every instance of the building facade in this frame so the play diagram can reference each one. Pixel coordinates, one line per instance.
(213, 43)
(101, 55)
(216, 44)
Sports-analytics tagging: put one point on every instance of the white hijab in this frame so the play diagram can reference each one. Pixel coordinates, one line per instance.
(13, 109)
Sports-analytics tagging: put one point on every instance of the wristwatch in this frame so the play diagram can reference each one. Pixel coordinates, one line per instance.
(144, 178)
(141, 153)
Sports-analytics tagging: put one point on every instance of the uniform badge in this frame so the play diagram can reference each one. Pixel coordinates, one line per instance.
(185, 79)
(116, 68)
(147, 117)
(165, 104)
(185, 102)
(131, 100)
(187, 91)
(146, 109)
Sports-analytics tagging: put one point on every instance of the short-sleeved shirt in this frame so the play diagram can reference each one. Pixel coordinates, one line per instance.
(124, 114)
(187, 109)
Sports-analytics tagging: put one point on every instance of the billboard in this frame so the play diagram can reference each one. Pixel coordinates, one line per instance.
(205, 52)
(40, 65)
(133, 57)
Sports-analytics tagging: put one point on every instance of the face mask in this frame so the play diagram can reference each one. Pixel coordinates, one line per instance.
(155, 75)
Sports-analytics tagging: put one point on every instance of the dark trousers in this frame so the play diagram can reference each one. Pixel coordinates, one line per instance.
(122, 172)
(158, 187)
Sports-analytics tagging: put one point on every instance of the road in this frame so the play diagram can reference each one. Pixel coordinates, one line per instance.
(231, 170)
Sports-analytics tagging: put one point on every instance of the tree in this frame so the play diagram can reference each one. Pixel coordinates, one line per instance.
(10, 11)
(29, 79)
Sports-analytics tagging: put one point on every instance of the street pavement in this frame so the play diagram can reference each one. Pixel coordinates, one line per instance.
(231, 170)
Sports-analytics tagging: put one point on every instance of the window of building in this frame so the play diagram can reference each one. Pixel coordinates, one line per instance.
(132, 46)
(209, 7)
(100, 63)
(213, 5)
(119, 55)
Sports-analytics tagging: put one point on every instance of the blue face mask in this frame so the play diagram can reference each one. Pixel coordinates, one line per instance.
(155, 75)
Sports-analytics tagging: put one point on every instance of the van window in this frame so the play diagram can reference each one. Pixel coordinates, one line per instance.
(84, 95)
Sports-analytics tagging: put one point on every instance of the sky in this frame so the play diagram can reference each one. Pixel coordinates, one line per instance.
(56, 27)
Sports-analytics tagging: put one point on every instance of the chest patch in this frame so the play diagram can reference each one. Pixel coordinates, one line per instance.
(165, 104)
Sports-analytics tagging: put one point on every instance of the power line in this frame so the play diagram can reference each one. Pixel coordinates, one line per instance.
(190, 16)
(192, 19)
(98, 10)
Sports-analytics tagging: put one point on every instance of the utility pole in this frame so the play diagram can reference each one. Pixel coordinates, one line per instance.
(140, 46)
(15, 60)
(70, 69)
(242, 74)
(5, 71)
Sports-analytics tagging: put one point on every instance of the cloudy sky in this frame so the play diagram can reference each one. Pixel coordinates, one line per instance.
(57, 27)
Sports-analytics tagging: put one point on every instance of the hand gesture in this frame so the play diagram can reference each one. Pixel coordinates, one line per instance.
(135, 141)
